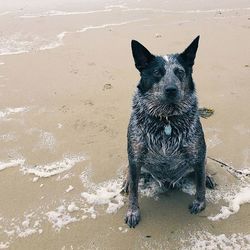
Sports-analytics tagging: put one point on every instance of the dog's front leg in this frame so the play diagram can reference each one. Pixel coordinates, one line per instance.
(199, 203)
(133, 214)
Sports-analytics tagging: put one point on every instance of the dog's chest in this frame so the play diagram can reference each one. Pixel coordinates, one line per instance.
(167, 157)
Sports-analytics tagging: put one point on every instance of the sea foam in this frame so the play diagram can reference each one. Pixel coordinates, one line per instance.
(207, 241)
(10, 111)
(60, 217)
(53, 168)
(242, 197)
(53, 13)
(12, 163)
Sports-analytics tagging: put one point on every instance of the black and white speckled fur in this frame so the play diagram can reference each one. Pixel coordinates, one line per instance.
(165, 91)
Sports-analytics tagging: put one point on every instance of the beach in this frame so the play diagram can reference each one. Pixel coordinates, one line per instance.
(67, 78)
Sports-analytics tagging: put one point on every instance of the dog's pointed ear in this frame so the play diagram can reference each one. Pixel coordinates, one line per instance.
(188, 55)
(142, 56)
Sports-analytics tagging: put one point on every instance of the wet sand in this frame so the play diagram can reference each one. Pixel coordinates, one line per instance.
(66, 82)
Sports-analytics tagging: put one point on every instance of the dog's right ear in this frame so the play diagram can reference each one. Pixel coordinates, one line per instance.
(141, 55)
(190, 52)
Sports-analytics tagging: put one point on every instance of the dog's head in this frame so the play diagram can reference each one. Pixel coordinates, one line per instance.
(166, 83)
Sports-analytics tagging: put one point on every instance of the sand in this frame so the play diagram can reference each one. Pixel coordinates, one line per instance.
(66, 82)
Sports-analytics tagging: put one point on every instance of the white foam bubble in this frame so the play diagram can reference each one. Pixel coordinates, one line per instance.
(27, 228)
(23, 228)
(54, 44)
(120, 6)
(150, 189)
(106, 194)
(73, 207)
(10, 233)
(194, 11)
(60, 217)
(12, 163)
(66, 176)
(110, 25)
(47, 140)
(4, 245)
(20, 43)
(107, 197)
(208, 241)
(53, 168)
(123, 230)
(242, 197)
(14, 44)
(10, 111)
(35, 179)
(53, 13)
(59, 125)
(70, 188)
(8, 137)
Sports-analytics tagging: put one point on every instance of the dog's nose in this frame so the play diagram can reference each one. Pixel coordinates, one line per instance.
(171, 91)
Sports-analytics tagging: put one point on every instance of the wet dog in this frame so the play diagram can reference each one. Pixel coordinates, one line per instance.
(165, 136)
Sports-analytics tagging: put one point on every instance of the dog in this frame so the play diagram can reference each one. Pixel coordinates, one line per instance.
(165, 136)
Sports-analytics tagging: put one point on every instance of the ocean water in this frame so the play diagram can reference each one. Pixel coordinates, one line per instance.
(20, 39)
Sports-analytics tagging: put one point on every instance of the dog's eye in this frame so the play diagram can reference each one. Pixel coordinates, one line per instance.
(157, 73)
(179, 73)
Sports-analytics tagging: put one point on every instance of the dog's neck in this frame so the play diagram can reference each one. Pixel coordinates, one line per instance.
(160, 110)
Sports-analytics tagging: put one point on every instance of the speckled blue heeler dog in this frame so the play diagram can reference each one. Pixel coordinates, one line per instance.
(165, 136)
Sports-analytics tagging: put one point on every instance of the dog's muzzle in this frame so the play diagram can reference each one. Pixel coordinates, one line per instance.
(171, 93)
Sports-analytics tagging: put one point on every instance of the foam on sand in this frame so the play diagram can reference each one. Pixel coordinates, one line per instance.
(72, 207)
(21, 43)
(4, 245)
(242, 197)
(10, 111)
(194, 11)
(8, 137)
(47, 140)
(208, 241)
(107, 197)
(11, 163)
(14, 44)
(70, 188)
(105, 194)
(52, 13)
(53, 168)
(60, 217)
(21, 228)
(110, 25)
(54, 44)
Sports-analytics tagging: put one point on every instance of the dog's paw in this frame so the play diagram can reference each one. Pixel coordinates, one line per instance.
(132, 217)
(197, 206)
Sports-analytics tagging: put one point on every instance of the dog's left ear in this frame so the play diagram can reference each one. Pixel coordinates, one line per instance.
(189, 53)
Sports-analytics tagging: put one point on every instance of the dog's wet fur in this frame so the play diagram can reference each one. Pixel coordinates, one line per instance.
(164, 96)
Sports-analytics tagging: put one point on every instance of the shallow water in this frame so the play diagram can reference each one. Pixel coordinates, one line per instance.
(66, 83)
